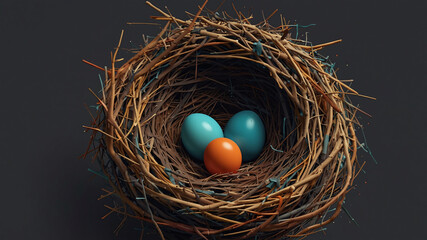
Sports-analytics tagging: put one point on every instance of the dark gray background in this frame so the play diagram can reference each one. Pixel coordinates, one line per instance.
(46, 190)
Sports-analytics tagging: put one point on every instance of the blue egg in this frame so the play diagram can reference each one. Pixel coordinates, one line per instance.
(247, 130)
(197, 131)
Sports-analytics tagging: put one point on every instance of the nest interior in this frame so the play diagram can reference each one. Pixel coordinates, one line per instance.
(219, 88)
(219, 65)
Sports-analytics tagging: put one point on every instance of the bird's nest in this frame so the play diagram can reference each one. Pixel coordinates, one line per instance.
(219, 65)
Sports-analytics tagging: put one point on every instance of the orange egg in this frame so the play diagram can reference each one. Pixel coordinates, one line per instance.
(222, 155)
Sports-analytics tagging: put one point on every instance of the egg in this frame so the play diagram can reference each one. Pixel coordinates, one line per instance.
(222, 155)
(197, 131)
(247, 130)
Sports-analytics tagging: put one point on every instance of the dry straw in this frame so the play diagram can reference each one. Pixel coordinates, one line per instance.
(218, 65)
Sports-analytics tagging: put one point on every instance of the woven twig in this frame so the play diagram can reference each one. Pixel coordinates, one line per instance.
(218, 65)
